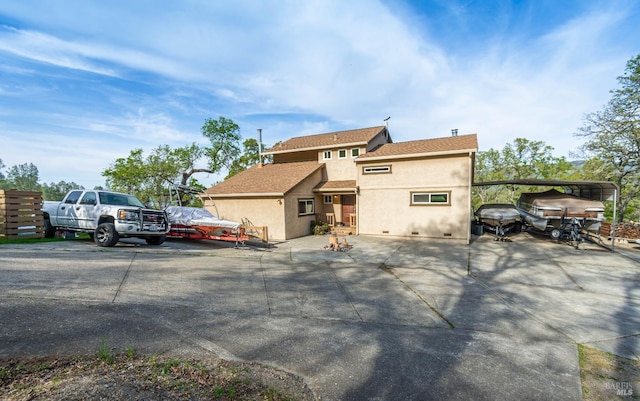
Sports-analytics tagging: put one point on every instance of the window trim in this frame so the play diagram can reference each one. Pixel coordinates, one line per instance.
(307, 201)
(326, 155)
(385, 169)
(345, 154)
(412, 201)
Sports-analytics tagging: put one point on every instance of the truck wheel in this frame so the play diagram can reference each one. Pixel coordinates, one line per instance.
(155, 240)
(49, 230)
(555, 234)
(106, 235)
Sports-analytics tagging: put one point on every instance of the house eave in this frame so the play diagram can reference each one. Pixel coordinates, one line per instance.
(336, 190)
(249, 195)
(325, 147)
(415, 155)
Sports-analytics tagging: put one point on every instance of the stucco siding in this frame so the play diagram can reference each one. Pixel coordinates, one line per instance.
(339, 169)
(385, 206)
(298, 226)
(389, 212)
(431, 172)
(260, 211)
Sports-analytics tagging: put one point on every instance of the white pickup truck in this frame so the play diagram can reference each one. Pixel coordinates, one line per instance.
(106, 217)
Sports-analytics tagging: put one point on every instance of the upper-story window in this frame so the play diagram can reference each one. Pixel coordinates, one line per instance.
(355, 152)
(342, 154)
(376, 170)
(326, 155)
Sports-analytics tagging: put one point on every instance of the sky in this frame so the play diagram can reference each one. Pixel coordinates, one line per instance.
(85, 82)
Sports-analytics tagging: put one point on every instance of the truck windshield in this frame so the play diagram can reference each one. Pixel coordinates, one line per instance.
(119, 200)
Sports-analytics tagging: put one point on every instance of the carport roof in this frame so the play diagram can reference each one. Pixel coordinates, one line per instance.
(594, 190)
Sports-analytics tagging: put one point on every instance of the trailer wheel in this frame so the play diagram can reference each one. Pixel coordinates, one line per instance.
(49, 230)
(155, 240)
(555, 234)
(106, 235)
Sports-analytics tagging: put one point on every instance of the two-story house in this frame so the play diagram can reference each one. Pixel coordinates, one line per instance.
(359, 179)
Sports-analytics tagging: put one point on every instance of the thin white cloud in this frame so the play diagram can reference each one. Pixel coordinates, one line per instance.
(343, 64)
(48, 49)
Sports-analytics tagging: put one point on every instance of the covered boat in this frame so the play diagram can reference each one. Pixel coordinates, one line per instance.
(199, 223)
(495, 214)
(553, 208)
(498, 217)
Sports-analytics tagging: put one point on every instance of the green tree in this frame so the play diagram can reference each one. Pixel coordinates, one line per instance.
(2, 178)
(223, 149)
(151, 177)
(57, 191)
(23, 177)
(523, 159)
(250, 157)
(613, 139)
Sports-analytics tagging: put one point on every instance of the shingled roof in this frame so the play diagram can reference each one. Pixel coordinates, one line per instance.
(342, 185)
(462, 143)
(353, 137)
(274, 179)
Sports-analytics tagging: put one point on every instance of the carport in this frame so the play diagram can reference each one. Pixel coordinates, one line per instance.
(592, 190)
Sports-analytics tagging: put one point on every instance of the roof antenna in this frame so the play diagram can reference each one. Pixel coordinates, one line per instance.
(259, 147)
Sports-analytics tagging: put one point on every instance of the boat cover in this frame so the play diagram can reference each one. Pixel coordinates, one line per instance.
(497, 211)
(557, 200)
(194, 216)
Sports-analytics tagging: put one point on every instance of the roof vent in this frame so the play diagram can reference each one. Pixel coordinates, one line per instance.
(335, 137)
(454, 132)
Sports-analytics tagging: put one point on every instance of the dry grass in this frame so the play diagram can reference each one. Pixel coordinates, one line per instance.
(608, 377)
(134, 377)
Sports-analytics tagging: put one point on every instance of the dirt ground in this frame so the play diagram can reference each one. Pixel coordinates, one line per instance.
(133, 377)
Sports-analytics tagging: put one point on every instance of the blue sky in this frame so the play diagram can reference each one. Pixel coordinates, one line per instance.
(84, 82)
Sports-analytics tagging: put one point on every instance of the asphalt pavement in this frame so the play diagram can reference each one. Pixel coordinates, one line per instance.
(390, 319)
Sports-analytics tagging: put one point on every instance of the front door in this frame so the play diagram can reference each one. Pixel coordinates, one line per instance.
(348, 208)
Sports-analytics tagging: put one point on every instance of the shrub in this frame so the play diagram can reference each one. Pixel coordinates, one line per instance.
(319, 228)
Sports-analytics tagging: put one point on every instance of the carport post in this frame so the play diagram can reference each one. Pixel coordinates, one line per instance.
(615, 220)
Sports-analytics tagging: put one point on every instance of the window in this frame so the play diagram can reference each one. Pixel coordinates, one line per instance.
(326, 155)
(89, 198)
(342, 154)
(376, 170)
(73, 197)
(305, 207)
(355, 152)
(328, 199)
(430, 198)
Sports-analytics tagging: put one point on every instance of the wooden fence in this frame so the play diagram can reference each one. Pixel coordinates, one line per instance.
(21, 214)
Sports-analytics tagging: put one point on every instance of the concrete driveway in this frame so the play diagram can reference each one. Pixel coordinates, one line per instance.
(390, 319)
